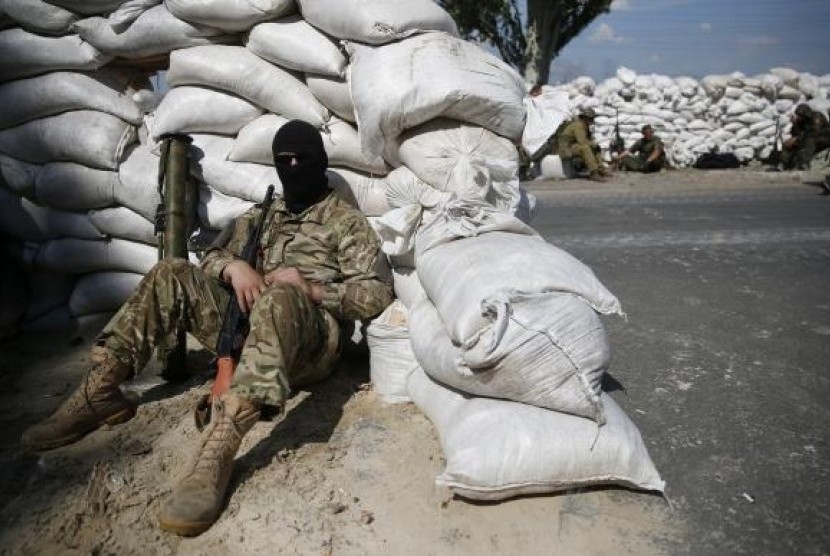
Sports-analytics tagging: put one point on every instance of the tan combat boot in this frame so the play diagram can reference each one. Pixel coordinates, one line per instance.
(596, 176)
(96, 401)
(196, 501)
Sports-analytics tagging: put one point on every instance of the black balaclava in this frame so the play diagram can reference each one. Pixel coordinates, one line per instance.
(306, 183)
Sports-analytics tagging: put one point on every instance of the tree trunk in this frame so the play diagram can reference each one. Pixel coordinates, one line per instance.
(545, 18)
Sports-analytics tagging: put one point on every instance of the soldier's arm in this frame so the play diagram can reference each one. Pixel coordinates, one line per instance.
(581, 135)
(229, 244)
(657, 152)
(362, 294)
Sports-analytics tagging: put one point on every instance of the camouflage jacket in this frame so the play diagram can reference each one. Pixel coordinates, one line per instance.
(815, 124)
(572, 133)
(330, 243)
(644, 149)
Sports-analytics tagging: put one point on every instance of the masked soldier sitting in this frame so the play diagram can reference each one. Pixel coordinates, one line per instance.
(810, 133)
(316, 267)
(647, 155)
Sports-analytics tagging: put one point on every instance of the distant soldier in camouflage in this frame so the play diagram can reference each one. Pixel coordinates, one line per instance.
(316, 267)
(575, 144)
(647, 155)
(810, 133)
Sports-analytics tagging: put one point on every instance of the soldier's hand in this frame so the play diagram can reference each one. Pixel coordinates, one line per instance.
(247, 283)
(291, 275)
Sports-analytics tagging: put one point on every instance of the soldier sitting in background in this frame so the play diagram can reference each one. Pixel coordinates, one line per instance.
(647, 155)
(575, 144)
(810, 134)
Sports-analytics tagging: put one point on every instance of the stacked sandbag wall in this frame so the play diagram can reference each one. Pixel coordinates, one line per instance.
(732, 113)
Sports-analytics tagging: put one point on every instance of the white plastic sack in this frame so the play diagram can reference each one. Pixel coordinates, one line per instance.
(91, 138)
(240, 71)
(545, 114)
(467, 258)
(408, 288)
(553, 167)
(498, 449)
(552, 353)
(102, 292)
(376, 21)
(70, 186)
(128, 12)
(469, 161)
(216, 210)
(465, 83)
(26, 221)
(138, 175)
(201, 110)
(364, 192)
(123, 223)
(88, 7)
(26, 54)
(38, 16)
(230, 15)
(333, 93)
(390, 354)
(18, 176)
(80, 256)
(156, 31)
(209, 165)
(294, 44)
(37, 97)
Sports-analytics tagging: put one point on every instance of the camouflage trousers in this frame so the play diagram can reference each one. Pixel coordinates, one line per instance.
(631, 163)
(590, 159)
(291, 341)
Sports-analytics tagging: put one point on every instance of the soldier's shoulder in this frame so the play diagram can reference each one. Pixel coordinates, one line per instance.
(344, 213)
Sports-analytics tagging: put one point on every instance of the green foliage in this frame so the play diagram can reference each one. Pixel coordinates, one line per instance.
(527, 46)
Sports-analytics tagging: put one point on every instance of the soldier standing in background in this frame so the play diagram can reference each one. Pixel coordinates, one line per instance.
(647, 155)
(575, 144)
(316, 267)
(810, 133)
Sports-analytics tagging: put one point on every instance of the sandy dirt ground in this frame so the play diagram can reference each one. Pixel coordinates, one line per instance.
(341, 473)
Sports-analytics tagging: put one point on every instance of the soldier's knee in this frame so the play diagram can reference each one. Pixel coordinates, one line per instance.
(168, 268)
(281, 295)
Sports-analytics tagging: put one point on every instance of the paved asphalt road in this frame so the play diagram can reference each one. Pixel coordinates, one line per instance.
(724, 360)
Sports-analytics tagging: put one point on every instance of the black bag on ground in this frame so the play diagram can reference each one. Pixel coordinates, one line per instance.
(717, 161)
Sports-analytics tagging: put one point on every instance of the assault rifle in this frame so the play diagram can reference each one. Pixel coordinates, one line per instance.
(774, 157)
(617, 145)
(235, 326)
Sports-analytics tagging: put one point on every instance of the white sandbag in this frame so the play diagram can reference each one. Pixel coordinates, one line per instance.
(376, 21)
(102, 292)
(626, 76)
(407, 287)
(88, 7)
(201, 110)
(138, 175)
(123, 223)
(467, 257)
(469, 161)
(552, 354)
(333, 93)
(26, 54)
(466, 83)
(246, 180)
(340, 139)
(156, 31)
(38, 16)
(553, 167)
(18, 176)
(128, 12)
(790, 93)
(498, 449)
(57, 92)
(70, 186)
(294, 44)
(230, 15)
(390, 353)
(545, 114)
(788, 75)
(80, 256)
(365, 192)
(240, 71)
(88, 137)
(26, 221)
(216, 210)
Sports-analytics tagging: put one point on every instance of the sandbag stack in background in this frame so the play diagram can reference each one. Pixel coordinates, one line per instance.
(720, 113)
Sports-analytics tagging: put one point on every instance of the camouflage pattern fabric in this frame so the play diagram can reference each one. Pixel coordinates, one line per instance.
(643, 149)
(812, 134)
(573, 141)
(291, 341)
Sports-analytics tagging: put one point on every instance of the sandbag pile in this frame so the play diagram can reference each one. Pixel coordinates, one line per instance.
(69, 118)
(731, 113)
